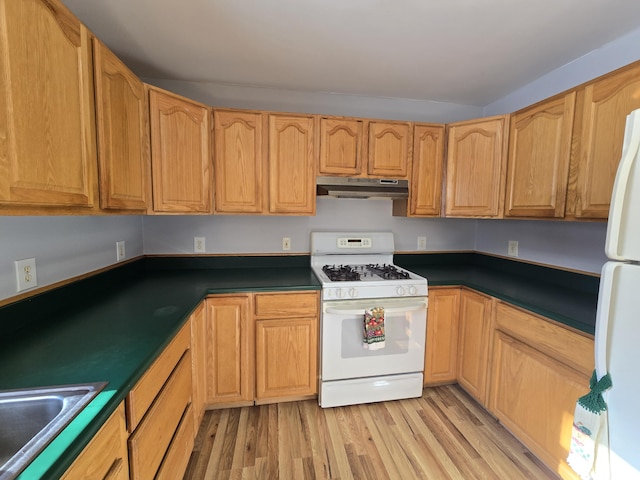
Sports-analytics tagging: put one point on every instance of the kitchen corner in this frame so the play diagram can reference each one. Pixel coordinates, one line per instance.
(113, 326)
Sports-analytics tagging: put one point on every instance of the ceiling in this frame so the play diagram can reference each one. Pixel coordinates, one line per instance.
(469, 52)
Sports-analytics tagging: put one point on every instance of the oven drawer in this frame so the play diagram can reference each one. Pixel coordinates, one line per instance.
(343, 352)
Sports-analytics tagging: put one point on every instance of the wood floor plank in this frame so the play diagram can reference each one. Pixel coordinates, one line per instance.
(443, 435)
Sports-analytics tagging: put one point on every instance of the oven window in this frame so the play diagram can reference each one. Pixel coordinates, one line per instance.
(397, 337)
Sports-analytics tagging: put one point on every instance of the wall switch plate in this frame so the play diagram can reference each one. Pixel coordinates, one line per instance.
(120, 251)
(422, 243)
(199, 245)
(513, 248)
(26, 276)
(286, 243)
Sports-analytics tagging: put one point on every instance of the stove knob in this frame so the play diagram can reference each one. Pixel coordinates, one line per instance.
(412, 290)
(400, 291)
(340, 293)
(353, 292)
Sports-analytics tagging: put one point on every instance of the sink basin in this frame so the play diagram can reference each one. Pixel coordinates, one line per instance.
(31, 418)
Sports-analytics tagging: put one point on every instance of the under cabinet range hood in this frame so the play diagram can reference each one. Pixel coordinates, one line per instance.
(347, 187)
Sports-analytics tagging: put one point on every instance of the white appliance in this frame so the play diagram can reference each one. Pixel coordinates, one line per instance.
(357, 274)
(618, 319)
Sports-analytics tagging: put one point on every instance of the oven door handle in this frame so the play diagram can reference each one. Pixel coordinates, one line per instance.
(360, 311)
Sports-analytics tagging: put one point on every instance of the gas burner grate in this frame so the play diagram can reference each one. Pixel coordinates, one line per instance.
(388, 272)
(341, 273)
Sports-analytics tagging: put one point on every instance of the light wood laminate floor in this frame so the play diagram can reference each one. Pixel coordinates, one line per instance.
(444, 434)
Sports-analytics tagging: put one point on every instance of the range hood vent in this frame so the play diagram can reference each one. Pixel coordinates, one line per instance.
(345, 187)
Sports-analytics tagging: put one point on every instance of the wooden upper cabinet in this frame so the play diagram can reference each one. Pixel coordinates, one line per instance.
(122, 117)
(425, 192)
(47, 129)
(476, 159)
(180, 153)
(389, 147)
(599, 131)
(340, 146)
(238, 162)
(539, 151)
(292, 154)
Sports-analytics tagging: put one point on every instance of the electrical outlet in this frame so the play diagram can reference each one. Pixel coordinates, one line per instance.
(26, 276)
(120, 251)
(286, 243)
(199, 245)
(422, 243)
(513, 248)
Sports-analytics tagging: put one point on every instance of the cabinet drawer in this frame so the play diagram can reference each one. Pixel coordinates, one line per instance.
(175, 463)
(566, 346)
(106, 454)
(145, 391)
(148, 444)
(286, 304)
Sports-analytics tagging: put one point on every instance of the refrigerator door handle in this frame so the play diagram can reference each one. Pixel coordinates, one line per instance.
(619, 217)
(602, 320)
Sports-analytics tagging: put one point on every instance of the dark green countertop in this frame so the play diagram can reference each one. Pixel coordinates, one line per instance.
(567, 297)
(112, 333)
(113, 326)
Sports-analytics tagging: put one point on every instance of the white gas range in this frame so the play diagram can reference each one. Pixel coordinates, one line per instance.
(358, 277)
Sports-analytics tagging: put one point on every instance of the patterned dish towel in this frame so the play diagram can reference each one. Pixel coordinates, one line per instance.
(589, 450)
(373, 338)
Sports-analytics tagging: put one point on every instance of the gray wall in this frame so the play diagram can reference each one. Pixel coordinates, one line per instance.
(64, 247)
(235, 234)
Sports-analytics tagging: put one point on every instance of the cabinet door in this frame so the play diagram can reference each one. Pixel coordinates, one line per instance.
(539, 151)
(600, 130)
(473, 348)
(340, 146)
(292, 154)
(286, 358)
(389, 148)
(199, 362)
(105, 457)
(534, 396)
(425, 195)
(47, 129)
(440, 361)
(180, 154)
(229, 350)
(238, 162)
(476, 167)
(123, 133)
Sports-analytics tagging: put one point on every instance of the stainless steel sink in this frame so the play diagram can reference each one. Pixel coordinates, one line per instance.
(31, 418)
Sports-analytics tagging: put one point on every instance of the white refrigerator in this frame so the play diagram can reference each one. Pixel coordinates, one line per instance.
(617, 342)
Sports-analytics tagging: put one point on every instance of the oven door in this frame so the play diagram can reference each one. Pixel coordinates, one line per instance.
(343, 353)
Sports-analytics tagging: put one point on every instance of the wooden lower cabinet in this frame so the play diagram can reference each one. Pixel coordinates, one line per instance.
(533, 387)
(473, 343)
(159, 413)
(199, 362)
(229, 355)
(105, 457)
(261, 347)
(440, 361)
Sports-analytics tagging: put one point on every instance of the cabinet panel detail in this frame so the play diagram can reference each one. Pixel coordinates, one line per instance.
(292, 154)
(238, 162)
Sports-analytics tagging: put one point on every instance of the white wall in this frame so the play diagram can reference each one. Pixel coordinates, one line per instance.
(575, 245)
(239, 234)
(325, 103)
(64, 247)
(610, 56)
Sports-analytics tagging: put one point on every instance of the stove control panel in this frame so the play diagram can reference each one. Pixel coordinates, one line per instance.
(354, 242)
(370, 291)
